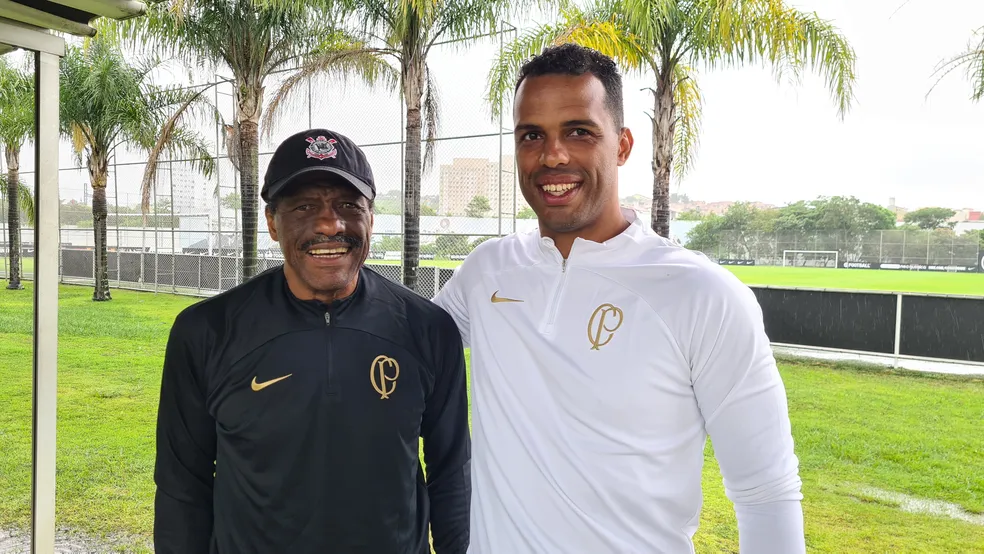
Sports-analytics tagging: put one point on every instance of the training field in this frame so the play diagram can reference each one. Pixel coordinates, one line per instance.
(865, 437)
(929, 282)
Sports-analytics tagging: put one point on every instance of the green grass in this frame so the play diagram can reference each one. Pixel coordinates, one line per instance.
(863, 279)
(844, 279)
(910, 433)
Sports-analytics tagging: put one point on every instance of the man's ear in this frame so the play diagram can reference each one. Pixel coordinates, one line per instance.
(625, 142)
(271, 224)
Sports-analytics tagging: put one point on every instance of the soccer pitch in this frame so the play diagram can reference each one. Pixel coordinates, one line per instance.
(927, 282)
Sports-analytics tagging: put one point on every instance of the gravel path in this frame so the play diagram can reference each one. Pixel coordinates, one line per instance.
(19, 542)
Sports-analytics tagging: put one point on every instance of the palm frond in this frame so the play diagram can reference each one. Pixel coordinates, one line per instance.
(16, 105)
(730, 33)
(972, 60)
(652, 22)
(688, 101)
(25, 199)
(576, 26)
(342, 61)
(175, 139)
(432, 119)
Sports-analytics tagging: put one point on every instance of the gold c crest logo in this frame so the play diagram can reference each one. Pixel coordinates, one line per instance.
(605, 319)
(383, 374)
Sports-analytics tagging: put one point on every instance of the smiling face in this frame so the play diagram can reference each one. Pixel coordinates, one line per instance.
(568, 151)
(323, 227)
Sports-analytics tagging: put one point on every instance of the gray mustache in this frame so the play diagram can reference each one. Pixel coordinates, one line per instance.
(352, 242)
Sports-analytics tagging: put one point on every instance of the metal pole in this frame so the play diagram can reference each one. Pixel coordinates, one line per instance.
(218, 193)
(116, 199)
(156, 247)
(898, 328)
(499, 164)
(3, 230)
(45, 411)
(174, 254)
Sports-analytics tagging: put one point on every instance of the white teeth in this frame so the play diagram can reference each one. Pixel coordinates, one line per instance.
(559, 190)
(327, 251)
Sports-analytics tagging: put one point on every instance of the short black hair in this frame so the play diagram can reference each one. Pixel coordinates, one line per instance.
(576, 60)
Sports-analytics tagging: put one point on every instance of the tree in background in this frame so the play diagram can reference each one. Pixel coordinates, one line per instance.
(742, 224)
(690, 215)
(107, 103)
(669, 39)
(406, 31)
(478, 207)
(16, 126)
(930, 218)
(526, 213)
(253, 41)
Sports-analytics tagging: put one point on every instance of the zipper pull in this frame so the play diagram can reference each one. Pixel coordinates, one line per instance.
(327, 318)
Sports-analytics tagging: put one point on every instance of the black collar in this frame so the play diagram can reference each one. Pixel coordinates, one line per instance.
(336, 307)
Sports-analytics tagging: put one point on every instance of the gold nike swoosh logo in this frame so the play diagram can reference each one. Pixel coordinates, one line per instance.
(260, 386)
(496, 298)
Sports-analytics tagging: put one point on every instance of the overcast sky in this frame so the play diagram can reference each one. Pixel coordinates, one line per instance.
(761, 140)
(778, 142)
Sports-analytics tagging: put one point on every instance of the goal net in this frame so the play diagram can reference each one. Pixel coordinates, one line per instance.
(809, 258)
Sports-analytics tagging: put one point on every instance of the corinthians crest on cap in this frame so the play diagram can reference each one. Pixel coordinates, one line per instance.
(321, 148)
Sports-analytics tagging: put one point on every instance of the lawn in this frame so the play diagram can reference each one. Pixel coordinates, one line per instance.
(863, 279)
(858, 431)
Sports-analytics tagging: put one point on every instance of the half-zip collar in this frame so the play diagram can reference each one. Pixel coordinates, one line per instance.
(334, 308)
(583, 249)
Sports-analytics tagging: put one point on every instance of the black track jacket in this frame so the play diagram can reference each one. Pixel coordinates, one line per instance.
(289, 426)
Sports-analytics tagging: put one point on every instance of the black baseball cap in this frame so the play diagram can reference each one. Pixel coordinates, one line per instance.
(318, 150)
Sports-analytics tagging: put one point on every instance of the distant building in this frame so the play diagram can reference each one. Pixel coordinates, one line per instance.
(465, 178)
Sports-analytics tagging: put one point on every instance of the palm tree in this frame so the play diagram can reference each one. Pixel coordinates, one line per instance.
(16, 126)
(972, 60)
(106, 103)
(669, 39)
(253, 41)
(406, 31)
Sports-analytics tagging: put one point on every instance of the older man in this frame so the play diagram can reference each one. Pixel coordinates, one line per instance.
(292, 405)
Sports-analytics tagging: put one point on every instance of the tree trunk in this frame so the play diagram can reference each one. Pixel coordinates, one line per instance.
(413, 89)
(12, 154)
(249, 100)
(664, 125)
(98, 175)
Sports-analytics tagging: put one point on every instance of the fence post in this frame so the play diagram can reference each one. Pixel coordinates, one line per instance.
(437, 280)
(898, 328)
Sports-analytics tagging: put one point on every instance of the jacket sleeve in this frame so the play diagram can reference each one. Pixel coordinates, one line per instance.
(447, 445)
(451, 298)
(743, 401)
(185, 465)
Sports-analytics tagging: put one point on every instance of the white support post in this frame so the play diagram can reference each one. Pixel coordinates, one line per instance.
(46, 302)
(898, 328)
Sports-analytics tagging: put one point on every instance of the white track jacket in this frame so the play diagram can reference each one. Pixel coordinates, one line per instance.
(595, 382)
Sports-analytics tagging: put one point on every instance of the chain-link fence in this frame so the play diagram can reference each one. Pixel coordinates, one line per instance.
(190, 240)
(939, 247)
